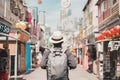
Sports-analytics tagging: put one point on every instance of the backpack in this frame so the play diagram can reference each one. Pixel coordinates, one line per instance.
(57, 64)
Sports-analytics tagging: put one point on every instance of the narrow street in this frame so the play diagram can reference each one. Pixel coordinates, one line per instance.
(90, 29)
(78, 74)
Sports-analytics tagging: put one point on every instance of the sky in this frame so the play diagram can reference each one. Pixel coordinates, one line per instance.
(52, 10)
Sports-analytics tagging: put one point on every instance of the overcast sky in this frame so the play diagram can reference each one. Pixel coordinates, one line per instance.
(53, 7)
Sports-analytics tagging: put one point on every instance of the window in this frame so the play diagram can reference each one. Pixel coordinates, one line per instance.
(102, 6)
(8, 3)
(105, 5)
(90, 18)
(88, 11)
(99, 10)
(87, 22)
(108, 3)
(2, 2)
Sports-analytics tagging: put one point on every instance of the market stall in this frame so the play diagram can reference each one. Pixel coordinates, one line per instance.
(108, 44)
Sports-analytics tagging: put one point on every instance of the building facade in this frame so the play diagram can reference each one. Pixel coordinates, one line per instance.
(13, 11)
(90, 27)
(108, 19)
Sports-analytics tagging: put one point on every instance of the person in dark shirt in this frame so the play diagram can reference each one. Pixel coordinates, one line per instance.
(57, 40)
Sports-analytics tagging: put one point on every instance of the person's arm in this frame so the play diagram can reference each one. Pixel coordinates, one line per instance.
(45, 59)
(72, 63)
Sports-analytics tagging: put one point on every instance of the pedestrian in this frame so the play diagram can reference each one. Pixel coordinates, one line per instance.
(41, 49)
(39, 56)
(33, 58)
(38, 59)
(90, 61)
(57, 61)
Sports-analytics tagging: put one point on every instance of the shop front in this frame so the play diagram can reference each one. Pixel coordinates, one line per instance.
(18, 51)
(85, 57)
(33, 42)
(80, 54)
(108, 45)
(108, 58)
(4, 50)
(91, 53)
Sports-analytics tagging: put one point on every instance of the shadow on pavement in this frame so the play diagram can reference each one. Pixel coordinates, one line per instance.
(21, 78)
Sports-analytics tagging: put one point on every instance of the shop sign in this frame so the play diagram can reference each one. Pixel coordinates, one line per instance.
(4, 28)
(23, 36)
(21, 25)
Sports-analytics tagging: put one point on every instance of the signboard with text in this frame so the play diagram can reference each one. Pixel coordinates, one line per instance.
(4, 28)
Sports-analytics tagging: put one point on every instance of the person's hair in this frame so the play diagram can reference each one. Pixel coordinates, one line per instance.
(42, 49)
(89, 51)
(58, 44)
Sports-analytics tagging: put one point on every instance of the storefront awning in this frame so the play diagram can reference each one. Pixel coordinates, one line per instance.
(3, 34)
(20, 34)
(103, 40)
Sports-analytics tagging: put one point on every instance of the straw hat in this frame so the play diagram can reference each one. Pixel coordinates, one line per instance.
(56, 37)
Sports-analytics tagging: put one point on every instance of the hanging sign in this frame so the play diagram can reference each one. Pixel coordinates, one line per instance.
(21, 25)
(4, 28)
(23, 36)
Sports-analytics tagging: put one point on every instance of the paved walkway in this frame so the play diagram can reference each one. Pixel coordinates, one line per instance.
(77, 74)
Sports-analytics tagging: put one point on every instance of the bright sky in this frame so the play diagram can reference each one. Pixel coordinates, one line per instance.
(53, 7)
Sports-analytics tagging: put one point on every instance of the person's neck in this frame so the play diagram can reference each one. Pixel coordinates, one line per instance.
(57, 47)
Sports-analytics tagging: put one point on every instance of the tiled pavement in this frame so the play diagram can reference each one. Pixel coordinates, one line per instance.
(77, 74)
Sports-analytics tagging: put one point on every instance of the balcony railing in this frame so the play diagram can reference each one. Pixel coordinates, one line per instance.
(115, 9)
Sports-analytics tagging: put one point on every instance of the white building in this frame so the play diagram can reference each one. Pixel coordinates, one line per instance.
(90, 21)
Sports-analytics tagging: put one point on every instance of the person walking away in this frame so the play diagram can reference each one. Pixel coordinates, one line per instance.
(57, 61)
(90, 61)
(41, 49)
(39, 58)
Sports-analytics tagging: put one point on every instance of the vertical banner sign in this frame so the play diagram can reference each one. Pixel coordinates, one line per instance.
(34, 27)
(35, 19)
(38, 31)
(28, 60)
(29, 17)
(42, 17)
(34, 13)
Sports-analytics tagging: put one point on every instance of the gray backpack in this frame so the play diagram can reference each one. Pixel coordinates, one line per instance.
(57, 64)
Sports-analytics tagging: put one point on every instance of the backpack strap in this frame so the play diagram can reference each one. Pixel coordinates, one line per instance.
(57, 51)
(62, 50)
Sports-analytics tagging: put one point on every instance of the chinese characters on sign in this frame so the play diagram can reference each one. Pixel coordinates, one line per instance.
(4, 28)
